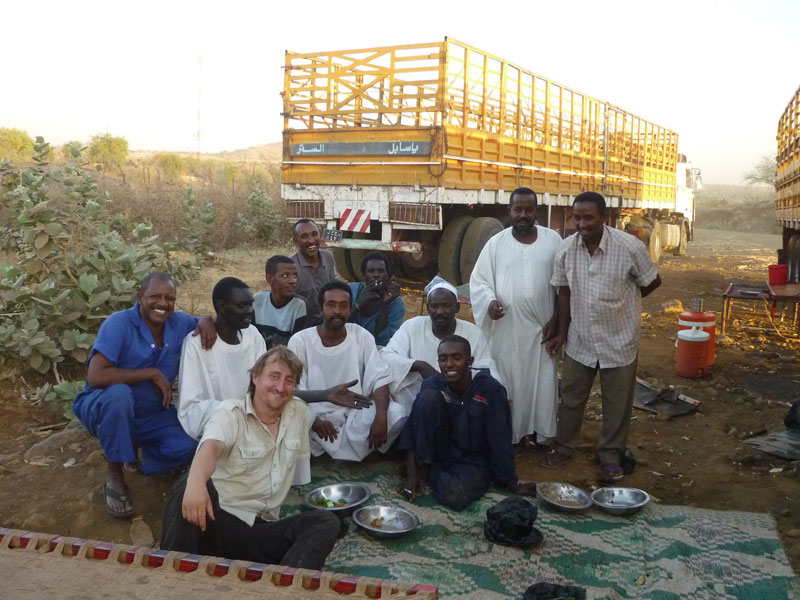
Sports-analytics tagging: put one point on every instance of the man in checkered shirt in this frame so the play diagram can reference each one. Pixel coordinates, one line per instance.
(602, 274)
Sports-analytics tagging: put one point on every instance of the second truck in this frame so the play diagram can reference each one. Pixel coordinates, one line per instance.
(415, 149)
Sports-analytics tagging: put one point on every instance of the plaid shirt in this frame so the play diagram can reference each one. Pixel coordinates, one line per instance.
(605, 300)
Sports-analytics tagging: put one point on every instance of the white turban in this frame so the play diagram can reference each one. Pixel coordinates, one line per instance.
(441, 285)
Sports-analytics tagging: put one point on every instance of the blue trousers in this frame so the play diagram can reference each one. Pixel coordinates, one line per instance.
(120, 421)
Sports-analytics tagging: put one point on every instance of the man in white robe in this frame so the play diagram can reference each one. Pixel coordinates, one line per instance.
(514, 304)
(412, 353)
(337, 352)
(207, 377)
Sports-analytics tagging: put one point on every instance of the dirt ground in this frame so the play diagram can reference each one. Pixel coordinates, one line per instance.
(696, 460)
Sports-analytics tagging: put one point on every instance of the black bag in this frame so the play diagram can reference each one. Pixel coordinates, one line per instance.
(792, 419)
(510, 523)
(552, 591)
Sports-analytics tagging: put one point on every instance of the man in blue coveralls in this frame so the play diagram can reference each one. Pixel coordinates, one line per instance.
(126, 401)
(458, 437)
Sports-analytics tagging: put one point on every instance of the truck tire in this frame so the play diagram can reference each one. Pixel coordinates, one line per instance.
(417, 272)
(475, 239)
(342, 264)
(681, 249)
(354, 258)
(654, 249)
(450, 248)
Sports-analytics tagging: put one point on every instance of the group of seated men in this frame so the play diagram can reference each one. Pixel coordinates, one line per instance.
(265, 384)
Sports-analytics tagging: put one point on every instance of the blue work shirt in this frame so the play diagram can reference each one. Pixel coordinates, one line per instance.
(125, 340)
(397, 312)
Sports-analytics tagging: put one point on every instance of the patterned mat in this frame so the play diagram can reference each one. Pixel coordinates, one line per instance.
(661, 553)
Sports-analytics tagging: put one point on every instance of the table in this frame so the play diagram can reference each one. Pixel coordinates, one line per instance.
(788, 294)
(741, 291)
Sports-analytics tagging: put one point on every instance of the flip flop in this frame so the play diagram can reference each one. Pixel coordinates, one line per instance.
(554, 460)
(124, 498)
(612, 473)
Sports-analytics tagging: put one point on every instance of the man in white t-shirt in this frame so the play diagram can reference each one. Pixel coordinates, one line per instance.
(207, 377)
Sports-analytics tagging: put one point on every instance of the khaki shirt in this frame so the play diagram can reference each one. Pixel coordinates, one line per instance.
(255, 470)
(605, 300)
(310, 280)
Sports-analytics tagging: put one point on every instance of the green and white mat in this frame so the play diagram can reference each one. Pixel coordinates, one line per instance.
(661, 553)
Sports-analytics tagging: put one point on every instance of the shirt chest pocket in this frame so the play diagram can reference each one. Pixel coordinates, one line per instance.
(245, 458)
(612, 286)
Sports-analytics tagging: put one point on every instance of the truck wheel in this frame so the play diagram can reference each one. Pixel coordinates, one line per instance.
(450, 248)
(681, 249)
(655, 244)
(475, 239)
(342, 265)
(354, 258)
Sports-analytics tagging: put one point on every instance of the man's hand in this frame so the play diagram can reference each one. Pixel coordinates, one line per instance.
(392, 291)
(550, 329)
(341, 396)
(523, 488)
(423, 368)
(196, 505)
(325, 429)
(496, 310)
(378, 432)
(553, 345)
(412, 486)
(163, 386)
(207, 331)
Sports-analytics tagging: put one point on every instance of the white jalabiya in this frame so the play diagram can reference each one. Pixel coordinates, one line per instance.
(325, 367)
(518, 275)
(207, 377)
(415, 341)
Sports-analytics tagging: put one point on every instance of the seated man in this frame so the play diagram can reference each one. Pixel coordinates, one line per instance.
(222, 373)
(228, 504)
(412, 352)
(335, 352)
(315, 267)
(377, 305)
(279, 313)
(126, 402)
(458, 437)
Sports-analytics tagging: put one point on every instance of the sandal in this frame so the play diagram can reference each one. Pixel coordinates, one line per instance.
(554, 459)
(124, 498)
(612, 473)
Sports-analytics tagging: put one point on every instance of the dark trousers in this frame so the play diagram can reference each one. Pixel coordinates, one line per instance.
(456, 480)
(301, 541)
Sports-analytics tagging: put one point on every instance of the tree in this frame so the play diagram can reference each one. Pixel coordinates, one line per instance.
(763, 172)
(15, 145)
(108, 152)
(170, 165)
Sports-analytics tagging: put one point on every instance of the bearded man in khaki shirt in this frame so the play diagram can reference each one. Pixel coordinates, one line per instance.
(229, 502)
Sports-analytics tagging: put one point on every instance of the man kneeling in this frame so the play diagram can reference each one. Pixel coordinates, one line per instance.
(229, 502)
(458, 437)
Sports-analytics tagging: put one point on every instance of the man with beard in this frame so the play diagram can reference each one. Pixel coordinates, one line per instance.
(278, 312)
(315, 267)
(458, 437)
(514, 304)
(412, 352)
(207, 377)
(602, 275)
(339, 351)
(377, 305)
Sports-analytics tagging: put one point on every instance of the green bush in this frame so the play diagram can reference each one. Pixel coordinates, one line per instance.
(198, 223)
(263, 223)
(15, 145)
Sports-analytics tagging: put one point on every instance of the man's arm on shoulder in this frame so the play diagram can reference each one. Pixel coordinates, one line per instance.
(196, 501)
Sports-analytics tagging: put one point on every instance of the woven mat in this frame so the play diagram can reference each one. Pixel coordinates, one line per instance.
(663, 552)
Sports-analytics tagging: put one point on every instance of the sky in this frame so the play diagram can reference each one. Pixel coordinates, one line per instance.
(718, 73)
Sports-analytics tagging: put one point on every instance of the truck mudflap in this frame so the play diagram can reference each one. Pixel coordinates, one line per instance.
(333, 239)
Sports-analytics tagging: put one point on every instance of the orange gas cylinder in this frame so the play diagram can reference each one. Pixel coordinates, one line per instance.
(691, 358)
(707, 320)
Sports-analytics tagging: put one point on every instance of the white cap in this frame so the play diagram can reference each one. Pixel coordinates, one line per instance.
(443, 285)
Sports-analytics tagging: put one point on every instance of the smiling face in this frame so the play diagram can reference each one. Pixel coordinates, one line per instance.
(274, 385)
(522, 212)
(454, 363)
(284, 281)
(588, 221)
(157, 302)
(236, 311)
(442, 308)
(306, 238)
(335, 309)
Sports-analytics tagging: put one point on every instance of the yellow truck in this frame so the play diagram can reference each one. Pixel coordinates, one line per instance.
(415, 150)
(787, 185)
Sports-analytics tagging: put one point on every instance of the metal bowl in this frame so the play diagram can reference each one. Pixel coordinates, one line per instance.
(563, 496)
(620, 500)
(354, 495)
(385, 521)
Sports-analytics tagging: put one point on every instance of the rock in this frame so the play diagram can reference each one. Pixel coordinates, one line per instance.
(56, 442)
(738, 400)
(785, 512)
(641, 462)
(75, 424)
(75, 447)
(732, 431)
(671, 307)
(793, 533)
(95, 458)
(759, 402)
(7, 458)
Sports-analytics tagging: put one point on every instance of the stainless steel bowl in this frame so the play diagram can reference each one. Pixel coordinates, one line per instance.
(354, 495)
(385, 521)
(620, 500)
(563, 496)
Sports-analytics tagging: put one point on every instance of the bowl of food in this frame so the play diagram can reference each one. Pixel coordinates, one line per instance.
(620, 500)
(563, 496)
(340, 498)
(383, 521)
